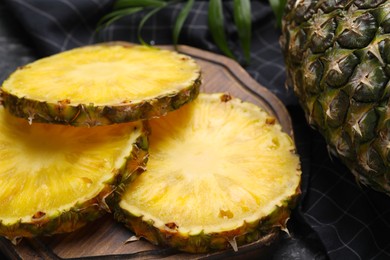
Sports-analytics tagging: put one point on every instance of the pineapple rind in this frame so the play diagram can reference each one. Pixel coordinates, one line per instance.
(262, 230)
(337, 62)
(90, 115)
(200, 238)
(71, 217)
(60, 222)
(64, 111)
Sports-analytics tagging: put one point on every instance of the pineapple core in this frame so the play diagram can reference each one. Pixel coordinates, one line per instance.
(212, 166)
(47, 169)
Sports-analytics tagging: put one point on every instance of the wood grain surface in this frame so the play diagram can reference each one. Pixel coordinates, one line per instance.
(106, 239)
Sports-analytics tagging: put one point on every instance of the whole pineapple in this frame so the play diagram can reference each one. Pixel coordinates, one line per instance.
(337, 55)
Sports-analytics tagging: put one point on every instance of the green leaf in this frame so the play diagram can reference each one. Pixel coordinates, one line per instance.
(138, 3)
(181, 19)
(215, 21)
(143, 21)
(243, 21)
(278, 8)
(115, 15)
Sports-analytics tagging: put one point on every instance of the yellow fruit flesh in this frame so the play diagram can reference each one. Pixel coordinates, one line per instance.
(49, 168)
(104, 75)
(212, 166)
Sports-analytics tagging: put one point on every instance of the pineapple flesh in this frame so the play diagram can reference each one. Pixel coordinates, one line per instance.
(101, 85)
(56, 178)
(337, 56)
(220, 173)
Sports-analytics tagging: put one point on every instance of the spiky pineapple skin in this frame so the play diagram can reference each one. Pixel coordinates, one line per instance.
(89, 114)
(337, 56)
(83, 213)
(264, 230)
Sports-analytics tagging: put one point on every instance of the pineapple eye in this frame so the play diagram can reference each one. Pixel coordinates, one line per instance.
(39, 215)
(359, 29)
(171, 225)
(275, 143)
(270, 120)
(225, 214)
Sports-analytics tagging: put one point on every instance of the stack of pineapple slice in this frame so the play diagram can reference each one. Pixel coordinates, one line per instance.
(78, 128)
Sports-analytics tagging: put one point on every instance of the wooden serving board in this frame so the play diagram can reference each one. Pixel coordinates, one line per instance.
(106, 239)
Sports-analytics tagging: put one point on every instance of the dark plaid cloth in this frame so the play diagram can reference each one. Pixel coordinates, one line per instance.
(335, 214)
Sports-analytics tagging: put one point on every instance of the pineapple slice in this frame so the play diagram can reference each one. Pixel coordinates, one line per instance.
(220, 172)
(101, 85)
(56, 178)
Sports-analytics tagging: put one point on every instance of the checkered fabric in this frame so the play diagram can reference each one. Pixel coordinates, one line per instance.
(335, 214)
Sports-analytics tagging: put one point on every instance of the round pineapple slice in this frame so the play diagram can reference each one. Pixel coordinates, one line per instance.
(56, 178)
(101, 85)
(221, 173)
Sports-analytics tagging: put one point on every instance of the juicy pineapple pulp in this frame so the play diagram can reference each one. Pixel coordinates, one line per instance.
(218, 169)
(102, 84)
(55, 178)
